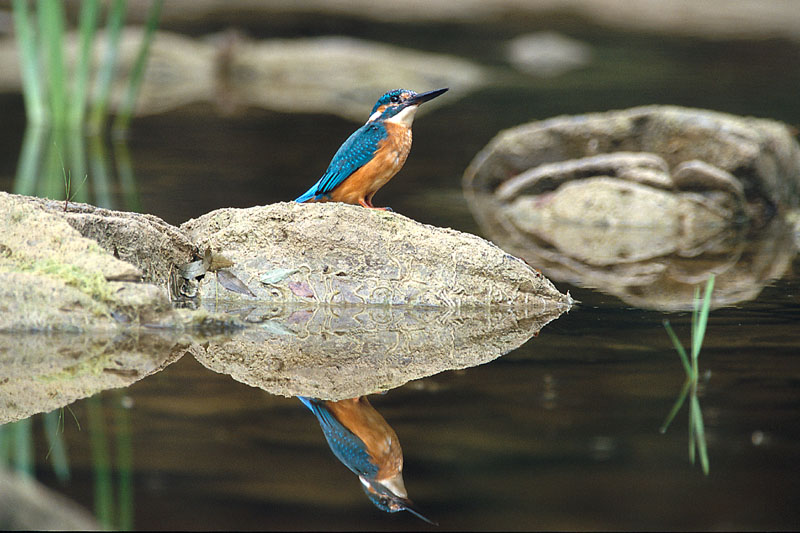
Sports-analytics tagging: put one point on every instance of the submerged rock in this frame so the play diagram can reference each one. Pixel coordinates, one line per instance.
(623, 200)
(341, 254)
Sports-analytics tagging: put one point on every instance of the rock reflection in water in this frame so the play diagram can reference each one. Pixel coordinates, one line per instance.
(366, 444)
(744, 260)
(43, 372)
(336, 353)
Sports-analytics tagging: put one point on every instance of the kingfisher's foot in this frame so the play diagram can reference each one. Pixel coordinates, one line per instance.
(366, 203)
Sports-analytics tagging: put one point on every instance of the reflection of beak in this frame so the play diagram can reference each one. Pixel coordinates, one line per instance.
(408, 505)
(424, 97)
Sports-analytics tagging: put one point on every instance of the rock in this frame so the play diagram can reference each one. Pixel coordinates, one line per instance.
(619, 200)
(336, 75)
(363, 300)
(344, 352)
(27, 505)
(645, 168)
(331, 253)
(54, 279)
(761, 154)
(547, 53)
(340, 75)
(142, 240)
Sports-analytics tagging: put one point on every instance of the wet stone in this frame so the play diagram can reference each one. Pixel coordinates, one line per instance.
(342, 254)
(619, 200)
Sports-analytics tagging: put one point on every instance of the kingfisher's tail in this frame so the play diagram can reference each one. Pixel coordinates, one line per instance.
(308, 402)
(305, 197)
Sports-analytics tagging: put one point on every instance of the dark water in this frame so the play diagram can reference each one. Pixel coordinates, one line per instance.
(561, 433)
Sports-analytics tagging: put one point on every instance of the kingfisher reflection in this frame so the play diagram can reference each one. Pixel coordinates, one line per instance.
(362, 439)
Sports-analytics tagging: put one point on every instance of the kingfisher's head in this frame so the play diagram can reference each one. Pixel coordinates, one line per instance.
(400, 105)
(390, 495)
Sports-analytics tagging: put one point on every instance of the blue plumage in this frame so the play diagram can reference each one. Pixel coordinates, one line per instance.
(356, 152)
(367, 144)
(346, 446)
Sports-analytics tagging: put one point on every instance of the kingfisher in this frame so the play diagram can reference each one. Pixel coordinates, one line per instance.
(366, 444)
(373, 154)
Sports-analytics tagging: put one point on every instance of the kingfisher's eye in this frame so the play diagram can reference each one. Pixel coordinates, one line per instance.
(394, 98)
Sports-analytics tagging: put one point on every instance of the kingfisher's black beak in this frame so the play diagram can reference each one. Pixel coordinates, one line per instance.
(424, 97)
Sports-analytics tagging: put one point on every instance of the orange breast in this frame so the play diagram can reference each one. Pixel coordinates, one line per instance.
(367, 424)
(389, 159)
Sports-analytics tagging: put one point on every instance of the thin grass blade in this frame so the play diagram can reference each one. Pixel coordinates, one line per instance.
(702, 319)
(137, 73)
(77, 164)
(125, 508)
(55, 438)
(51, 23)
(695, 312)
(87, 29)
(679, 347)
(32, 89)
(51, 181)
(127, 179)
(22, 455)
(105, 75)
(696, 418)
(676, 406)
(30, 158)
(101, 463)
(101, 178)
(699, 331)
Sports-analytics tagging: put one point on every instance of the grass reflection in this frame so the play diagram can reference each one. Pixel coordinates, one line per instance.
(63, 164)
(697, 436)
(57, 453)
(17, 452)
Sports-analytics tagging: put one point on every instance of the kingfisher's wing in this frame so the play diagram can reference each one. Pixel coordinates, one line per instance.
(356, 152)
(348, 448)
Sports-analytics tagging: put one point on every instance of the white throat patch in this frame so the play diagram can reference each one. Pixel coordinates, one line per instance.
(404, 117)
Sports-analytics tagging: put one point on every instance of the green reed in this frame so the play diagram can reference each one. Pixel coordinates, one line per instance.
(697, 437)
(105, 74)
(137, 72)
(57, 95)
(87, 29)
(32, 88)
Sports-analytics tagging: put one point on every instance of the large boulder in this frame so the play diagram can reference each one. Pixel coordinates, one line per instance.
(342, 254)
